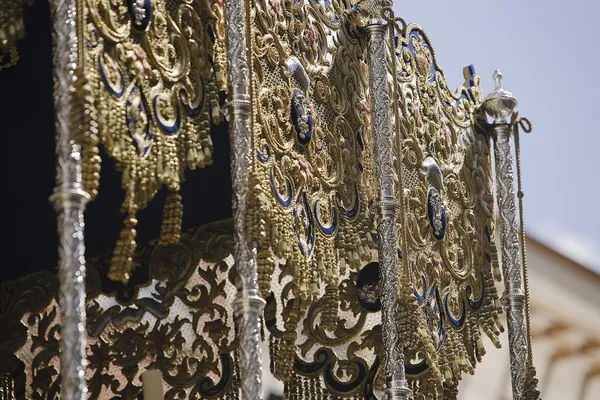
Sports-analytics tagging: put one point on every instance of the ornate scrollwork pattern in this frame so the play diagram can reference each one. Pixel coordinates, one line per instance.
(311, 199)
(312, 176)
(450, 216)
(155, 69)
(178, 321)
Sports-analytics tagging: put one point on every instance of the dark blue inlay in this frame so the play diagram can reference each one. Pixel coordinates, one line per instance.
(442, 328)
(475, 304)
(349, 213)
(92, 41)
(167, 128)
(417, 35)
(471, 69)
(463, 315)
(261, 156)
(421, 297)
(111, 89)
(416, 369)
(359, 140)
(327, 230)
(284, 202)
(188, 106)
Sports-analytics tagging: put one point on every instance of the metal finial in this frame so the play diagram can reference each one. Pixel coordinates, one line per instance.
(497, 79)
(499, 104)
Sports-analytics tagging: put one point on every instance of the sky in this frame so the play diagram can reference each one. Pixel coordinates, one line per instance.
(549, 55)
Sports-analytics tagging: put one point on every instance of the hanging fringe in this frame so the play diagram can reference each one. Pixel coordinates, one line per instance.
(172, 217)
(122, 259)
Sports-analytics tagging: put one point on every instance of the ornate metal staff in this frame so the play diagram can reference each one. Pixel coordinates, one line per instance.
(69, 199)
(500, 104)
(248, 304)
(396, 386)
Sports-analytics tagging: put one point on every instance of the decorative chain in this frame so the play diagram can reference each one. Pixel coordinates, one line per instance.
(530, 391)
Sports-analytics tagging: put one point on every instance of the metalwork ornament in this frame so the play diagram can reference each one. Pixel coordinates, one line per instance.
(501, 105)
(141, 13)
(304, 225)
(302, 117)
(248, 304)
(69, 198)
(138, 122)
(394, 369)
(436, 213)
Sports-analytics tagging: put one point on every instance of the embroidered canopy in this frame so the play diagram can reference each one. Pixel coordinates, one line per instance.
(362, 237)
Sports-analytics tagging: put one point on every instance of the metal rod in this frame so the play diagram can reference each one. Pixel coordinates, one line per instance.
(248, 305)
(396, 386)
(500, 104)
(513, 296)
(69, 199)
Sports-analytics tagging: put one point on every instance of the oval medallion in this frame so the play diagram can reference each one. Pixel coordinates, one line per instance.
(436, 213)
(368, 288)
(302, 117)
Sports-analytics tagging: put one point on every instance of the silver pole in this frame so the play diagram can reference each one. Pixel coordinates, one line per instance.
(500, 104)
(396, 386)
(69, 199)
(248, 305)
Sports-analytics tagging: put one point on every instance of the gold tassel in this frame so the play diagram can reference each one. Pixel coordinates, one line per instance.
(172, 216)
(283, 359)
(450, 391)
(331, 300)
(495, 264)
(122, 259)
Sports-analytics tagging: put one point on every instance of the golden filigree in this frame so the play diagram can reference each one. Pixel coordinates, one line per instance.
(153, 87)
(311, 174)
(450, 216)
